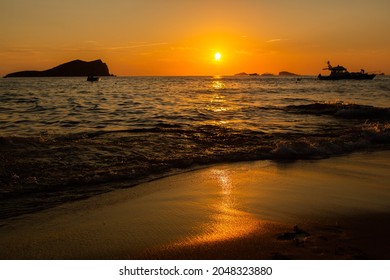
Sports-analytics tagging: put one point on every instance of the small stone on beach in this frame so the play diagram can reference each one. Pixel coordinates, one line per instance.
(295, 234)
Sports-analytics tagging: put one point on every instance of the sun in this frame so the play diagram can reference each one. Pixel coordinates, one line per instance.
(217, 56)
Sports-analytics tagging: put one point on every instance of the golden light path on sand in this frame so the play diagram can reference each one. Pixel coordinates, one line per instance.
(227, 203)
(228, 222)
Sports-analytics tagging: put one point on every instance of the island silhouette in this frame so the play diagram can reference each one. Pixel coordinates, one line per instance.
(267, 74)
(75, 68)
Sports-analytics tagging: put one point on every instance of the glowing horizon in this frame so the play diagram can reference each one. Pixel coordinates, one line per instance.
(182, 37)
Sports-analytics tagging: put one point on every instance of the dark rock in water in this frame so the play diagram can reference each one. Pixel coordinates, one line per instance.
(75, 68)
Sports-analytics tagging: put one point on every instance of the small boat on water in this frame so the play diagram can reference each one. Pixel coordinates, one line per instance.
(93, 78)
(341, 73)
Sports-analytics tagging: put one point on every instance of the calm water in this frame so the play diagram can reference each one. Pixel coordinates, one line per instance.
(64, 138)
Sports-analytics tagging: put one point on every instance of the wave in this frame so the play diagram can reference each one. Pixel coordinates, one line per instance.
(341, 110)
(45, 170)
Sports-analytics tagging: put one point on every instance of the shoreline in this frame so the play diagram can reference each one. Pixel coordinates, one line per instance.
(226, 211)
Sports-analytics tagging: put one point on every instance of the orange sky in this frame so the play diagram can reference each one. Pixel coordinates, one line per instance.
(177, 37)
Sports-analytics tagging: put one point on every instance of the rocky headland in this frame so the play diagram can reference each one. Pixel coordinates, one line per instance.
(75, 68)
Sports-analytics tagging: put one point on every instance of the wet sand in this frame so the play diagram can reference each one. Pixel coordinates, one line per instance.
(335, 208)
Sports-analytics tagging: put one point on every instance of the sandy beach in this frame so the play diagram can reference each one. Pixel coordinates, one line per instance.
(335, 208)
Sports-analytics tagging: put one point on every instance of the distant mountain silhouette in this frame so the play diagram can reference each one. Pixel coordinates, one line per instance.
(75, 68)
(266, 74)
(246, 74)
(241, 74)
(285, 73)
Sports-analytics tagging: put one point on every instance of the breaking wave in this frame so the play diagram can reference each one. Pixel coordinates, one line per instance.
(40, 171)
(341, 110)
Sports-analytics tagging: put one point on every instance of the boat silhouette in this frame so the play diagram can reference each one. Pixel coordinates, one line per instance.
(93, 78)
(341, 73)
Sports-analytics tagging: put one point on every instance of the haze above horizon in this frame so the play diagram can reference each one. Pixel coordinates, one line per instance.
(196, 37)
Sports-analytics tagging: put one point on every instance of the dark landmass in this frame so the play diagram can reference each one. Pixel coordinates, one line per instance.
(253, 74)
(285, 73)
(266, 74)
(246, 74)
(75, 68)
(241, 74)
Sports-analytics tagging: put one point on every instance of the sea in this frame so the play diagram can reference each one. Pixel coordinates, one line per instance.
(66, 139)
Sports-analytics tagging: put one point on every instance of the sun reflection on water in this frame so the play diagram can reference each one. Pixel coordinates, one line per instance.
(218, 85)
(226, 221)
